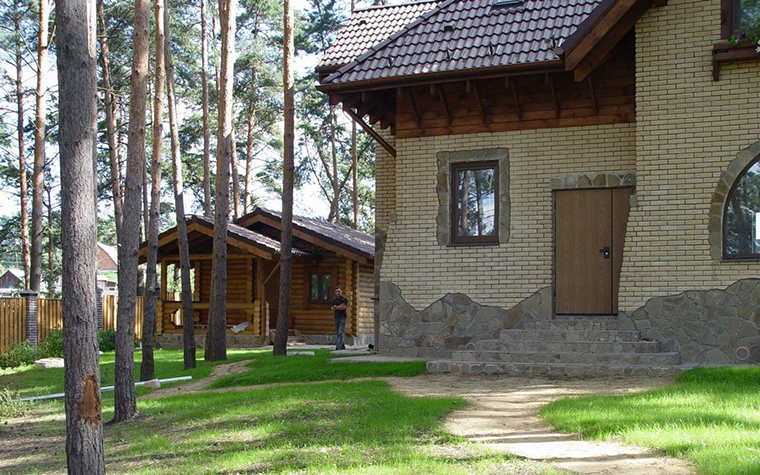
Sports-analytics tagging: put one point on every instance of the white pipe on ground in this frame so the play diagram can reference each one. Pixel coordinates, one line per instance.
(108, 388)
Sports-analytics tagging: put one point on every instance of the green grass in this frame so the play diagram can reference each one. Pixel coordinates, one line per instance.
(710, 415)
(302, 368)
(29, 380)
(332, 427)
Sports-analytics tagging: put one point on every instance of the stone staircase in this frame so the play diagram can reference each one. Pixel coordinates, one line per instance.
(566, 346)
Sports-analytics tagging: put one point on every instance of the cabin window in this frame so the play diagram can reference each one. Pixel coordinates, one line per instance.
(741, 222)
(474, 203)
(320, 287)
(740, 17)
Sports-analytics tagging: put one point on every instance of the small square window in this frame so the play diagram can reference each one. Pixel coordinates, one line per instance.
(739, 16)
(474, 202)
(320, 287)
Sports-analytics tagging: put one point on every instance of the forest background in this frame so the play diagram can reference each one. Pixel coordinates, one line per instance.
(28, 125)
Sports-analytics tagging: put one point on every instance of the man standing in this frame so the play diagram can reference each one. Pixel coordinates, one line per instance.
(339, 305)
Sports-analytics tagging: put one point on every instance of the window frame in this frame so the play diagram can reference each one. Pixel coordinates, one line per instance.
(472, 240)
(730, 19)
(332, 272)
(724, 224)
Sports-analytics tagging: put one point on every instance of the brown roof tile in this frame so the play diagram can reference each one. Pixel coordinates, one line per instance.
(470, 34)
(369, 26)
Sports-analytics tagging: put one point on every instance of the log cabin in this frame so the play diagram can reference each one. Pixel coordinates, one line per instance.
(325, 256)
(562, 186)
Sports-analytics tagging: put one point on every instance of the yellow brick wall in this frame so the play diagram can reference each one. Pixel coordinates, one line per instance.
(492, 275)
(688, 130)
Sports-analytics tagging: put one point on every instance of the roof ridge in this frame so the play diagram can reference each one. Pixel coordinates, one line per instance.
(372, 50)
(380, 7)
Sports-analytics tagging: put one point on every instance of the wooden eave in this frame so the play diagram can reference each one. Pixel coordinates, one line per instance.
(307, 235)
(195, 226)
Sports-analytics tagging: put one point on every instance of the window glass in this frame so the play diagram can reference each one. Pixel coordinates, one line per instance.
(746, 13)
(742, 225)
(319, 287)
(474, 201)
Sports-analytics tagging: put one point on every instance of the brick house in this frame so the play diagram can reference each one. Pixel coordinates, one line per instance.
(563, 186)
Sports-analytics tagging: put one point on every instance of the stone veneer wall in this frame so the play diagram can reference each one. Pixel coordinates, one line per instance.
(689, 129)
(450, 322)
(503, 275)
(706, 326)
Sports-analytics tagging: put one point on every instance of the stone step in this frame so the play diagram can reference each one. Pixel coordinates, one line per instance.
(569, 335)
(609, 324)
(553, 369)
(538, 357)
(566, 346)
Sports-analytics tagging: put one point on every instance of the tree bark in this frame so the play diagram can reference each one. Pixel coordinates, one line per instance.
(355, 166)
(124, 393)
(235, 177)
(38, 179)
(184, 248)
(25, 252)
(216, 344)
(110, 110)
(51, 249)
(336, 190)
(251, 122)
(206, 130)
(77, 86)
(286, 236)
(157, 132)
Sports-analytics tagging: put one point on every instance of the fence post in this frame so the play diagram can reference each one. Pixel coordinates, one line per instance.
(31, 316)
(99, 308)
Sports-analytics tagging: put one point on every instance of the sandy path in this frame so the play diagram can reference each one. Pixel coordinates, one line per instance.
(503, 413)
(197, 385)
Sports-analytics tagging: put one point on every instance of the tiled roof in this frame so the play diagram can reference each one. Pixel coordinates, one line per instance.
(369, 26)
(246, 235)
(338, 233)
(470, 34)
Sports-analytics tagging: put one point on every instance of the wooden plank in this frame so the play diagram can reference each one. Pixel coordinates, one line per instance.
(596, 33)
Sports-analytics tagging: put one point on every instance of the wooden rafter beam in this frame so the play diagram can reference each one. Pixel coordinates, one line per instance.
(592, 92)
(413, 104)
(511, 85)
(479, 102)
(550, 79)
(442, 98)
(372, 132)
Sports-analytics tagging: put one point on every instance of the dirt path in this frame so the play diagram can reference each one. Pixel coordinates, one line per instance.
(197, 385)
(503, 413)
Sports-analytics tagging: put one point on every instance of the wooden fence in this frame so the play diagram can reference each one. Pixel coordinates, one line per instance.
(12, 322)
(49, 317)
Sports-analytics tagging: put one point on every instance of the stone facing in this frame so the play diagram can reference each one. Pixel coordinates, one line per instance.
(443, 179)
(594, 180)
(705, 326)
(449, 323)
(726, 182)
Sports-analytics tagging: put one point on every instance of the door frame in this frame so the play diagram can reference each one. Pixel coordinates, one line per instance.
(586, 181)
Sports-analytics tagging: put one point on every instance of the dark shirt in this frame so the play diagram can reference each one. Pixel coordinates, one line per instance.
(337, 301)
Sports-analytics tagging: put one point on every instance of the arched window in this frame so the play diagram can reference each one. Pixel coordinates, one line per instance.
(741, 215)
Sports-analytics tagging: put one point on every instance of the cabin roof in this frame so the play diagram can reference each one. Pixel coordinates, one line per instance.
(338, 234)
(470, 35)
(251, 237)
(369, 26)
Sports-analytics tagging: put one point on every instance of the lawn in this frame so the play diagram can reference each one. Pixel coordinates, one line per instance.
(324, 427)
(710, 415)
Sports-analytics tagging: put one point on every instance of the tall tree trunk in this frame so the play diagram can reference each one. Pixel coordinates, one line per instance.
(77, 86)
(184, 248)
(149, 323)
(110, 109)
(286, 244)
(336, 190)
(51, 249)
(206, 129)
(25, 252)
(249, 149)
(124, 393)
(355, 166)
(216, 344)
(235, 177)
(38, 179)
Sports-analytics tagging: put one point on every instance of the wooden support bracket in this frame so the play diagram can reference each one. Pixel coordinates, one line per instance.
(372, 132)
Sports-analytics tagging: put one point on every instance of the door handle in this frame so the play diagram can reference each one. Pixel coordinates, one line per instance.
(606, 253)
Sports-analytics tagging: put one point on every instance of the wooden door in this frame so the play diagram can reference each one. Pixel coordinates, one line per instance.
(272, 291)
(589, 238)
